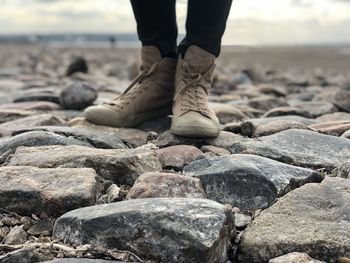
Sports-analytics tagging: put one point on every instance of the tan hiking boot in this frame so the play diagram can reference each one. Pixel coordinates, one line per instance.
(191, 114)
(148, 96)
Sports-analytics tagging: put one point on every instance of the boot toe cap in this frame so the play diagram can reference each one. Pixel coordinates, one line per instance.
(104, 115)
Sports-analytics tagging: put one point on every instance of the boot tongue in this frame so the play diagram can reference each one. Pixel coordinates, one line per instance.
(198, 59)
(149, 56)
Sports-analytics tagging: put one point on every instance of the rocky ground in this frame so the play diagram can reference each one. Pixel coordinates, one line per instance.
(273, 187)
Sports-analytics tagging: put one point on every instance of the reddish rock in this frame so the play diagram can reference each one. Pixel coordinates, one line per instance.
(166, 185)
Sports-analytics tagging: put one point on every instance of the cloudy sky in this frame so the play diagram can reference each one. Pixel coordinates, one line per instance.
(250, 21)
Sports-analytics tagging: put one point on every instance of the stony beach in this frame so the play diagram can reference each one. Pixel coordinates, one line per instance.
(274, 186)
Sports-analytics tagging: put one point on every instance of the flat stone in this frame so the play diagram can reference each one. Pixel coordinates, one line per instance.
(35, 138)
(249, 127)
(276, 126)
(224, 140)
(31, 190)
(335, 128)
(287, 110)
(122, 166)
(77, 96)
(101, 139)
(38, 95)
(342, 100)
(10, 85)
(295, 257)
(24, 255)
(166, 185)
(336, 116)
(82, 260)
(31, 121)
(227, 113)
(266, 103)
(215, 150)
(343, 170)
(299, 147)
(16, 236)
(159, 229)
(31, 105)
(176, 157)
(132, 137)
(314, 219)
(11, 115)
(248, 182)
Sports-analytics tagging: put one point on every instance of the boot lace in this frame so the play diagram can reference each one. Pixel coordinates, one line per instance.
(134, 89)
(194, 90)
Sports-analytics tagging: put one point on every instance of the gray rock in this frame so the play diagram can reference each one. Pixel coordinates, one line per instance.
(158, 229)
(266, 103)
(299, 147)
(11, 115)
(35, 138)
(176, 157)
(295, 257)
(224, 140)
(100, 139)
(335, 128)
(38, 95)
(151, 185)
(24, 255)
(30, 190)
(215, 150)
(78, 64)
(16, 236)
(273, 127)
(314, 219)
(343, 170)
(249, 127)
(31, 105)
(81, 260)
(248, 182)
(242, 220)
(227, 113)
(342, 100)
(132, 137)
(336, 116)
(77, 96)
(122, 166)
(316, 108)
(37, 120)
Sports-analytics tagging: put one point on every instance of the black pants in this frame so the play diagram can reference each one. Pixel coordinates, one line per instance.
(205, 24)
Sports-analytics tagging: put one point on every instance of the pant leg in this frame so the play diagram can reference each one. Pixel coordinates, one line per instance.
(156, 24)
(205, 24)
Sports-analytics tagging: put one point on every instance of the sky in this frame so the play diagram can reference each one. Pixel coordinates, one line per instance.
(250, 21)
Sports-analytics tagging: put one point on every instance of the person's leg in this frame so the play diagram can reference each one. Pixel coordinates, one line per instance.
(205, 25)
(156, 24)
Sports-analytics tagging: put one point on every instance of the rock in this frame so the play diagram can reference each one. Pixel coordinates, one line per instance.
(295, 257)
(224, 140)
(342, 100)
(43, 227)
(81, 260)
(11, 115)
(248, 182)
(227, 113)
(313, 219)
(101, 139)
(242, 220)
(38, 95)
(78, 64)
(176, 157)
(335, 128)
(335, 116)
(276, 126)
(287, 110)
(16, 236)
(131, 137)
(300, 148)
(234, 127)
(35, 138)
(266, 103)
(37, 120)
(10, 85)
(249, 127)
(166, 185)
(31, 105)
(121, 166)
(30, 190)
(157, 125)
(158, 229)
(215, 150)
(343, 170)
(24, 255)
(77, 96)
(271, 89)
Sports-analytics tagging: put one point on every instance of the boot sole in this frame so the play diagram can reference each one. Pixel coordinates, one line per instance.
(195, 131)
(113, 122)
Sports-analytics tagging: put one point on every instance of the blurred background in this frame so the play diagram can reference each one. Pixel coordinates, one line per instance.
(251, 22)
